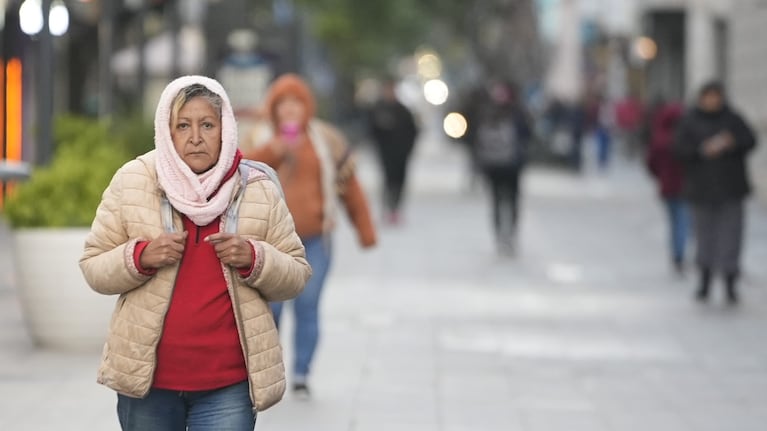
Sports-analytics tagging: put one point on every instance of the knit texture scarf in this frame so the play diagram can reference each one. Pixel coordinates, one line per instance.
(201, 197)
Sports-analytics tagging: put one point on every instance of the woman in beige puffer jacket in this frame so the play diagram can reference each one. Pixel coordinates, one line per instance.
(195, 244)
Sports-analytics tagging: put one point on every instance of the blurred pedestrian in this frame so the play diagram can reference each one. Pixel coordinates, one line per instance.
(713, 141)
(469, 105)
(578, 125)
(500, 140)
(599, 120)
(317, 170)
(192, 343)
(394, 133)
(668, 174)
(629, 118)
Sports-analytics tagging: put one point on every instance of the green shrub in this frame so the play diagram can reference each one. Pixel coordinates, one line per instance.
(86, 156)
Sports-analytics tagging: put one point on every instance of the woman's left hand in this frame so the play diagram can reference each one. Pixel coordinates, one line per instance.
(232, 249)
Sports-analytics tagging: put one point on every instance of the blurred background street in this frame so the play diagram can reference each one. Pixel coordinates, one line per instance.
(587, 329)
(584, 322)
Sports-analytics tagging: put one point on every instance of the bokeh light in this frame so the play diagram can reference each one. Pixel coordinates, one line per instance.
(645, 48)
(435, 91)
(429, 66)
(31, 17)
(455, 125)
(58, 18)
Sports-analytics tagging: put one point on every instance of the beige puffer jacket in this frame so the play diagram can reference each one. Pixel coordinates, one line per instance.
(130, 211)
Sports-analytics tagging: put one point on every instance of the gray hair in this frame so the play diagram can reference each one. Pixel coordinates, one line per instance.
(188, 93)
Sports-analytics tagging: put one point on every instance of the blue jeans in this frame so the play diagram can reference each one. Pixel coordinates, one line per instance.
(225, 409)
(306, 306)
(603, 141)
(679, 223)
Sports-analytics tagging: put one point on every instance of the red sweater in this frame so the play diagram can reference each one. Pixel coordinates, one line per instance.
(200, 345)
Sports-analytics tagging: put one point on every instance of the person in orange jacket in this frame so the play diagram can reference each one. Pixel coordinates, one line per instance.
(316, 168)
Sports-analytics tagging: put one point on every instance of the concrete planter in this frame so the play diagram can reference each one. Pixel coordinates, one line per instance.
(60, 310)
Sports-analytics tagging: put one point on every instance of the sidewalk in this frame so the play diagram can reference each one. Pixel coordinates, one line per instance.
(585, 330)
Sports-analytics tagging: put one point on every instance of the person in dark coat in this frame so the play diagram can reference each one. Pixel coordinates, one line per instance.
(668, 173)
(713, 142)
(394, 131)
(501, 134)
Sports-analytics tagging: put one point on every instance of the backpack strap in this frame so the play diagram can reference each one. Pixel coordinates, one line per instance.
(264, 169)
(166, 213)
(233, 213)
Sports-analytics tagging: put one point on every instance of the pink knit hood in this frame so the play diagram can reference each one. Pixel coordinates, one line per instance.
(197, 196)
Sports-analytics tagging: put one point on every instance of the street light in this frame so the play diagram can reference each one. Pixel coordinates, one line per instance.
(32, 22)
(58, 18)
(47, 18)
(31, 17)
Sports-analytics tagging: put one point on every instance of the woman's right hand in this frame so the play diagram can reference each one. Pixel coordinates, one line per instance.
(164, 250)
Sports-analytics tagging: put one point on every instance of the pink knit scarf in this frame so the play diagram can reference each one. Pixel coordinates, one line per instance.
(190, 193)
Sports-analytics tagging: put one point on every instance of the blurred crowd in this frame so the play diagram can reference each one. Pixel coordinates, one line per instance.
(695, 153)
(264, 206)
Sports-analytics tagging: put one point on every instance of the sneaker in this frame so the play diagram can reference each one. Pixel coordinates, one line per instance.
(301, 392)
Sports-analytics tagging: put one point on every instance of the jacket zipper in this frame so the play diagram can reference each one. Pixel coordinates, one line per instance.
(229, 278)
(164, 316)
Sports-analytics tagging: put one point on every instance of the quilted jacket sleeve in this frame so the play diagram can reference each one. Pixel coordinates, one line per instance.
(281, 269)
(107, 261)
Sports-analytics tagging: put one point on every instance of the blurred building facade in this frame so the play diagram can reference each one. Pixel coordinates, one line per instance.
(695, 41)
(748, 58)
(667, 49)
(699, 40)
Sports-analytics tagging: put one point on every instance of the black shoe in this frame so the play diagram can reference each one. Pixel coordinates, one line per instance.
(678, 265)
(301, 391)
(731, 281)
(705, 285)
(732, 297)
(702, 295)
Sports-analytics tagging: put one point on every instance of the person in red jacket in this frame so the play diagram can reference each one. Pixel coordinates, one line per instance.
(669, 175)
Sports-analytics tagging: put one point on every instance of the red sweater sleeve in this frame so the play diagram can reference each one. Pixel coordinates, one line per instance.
(140, 246)
(246, 272)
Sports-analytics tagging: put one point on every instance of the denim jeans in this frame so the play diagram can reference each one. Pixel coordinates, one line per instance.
(603, 142)
(679, 224)
(306, 306)
(225, 409)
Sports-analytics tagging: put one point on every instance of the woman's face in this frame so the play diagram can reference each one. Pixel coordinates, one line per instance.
(291, 110)
(196, 134)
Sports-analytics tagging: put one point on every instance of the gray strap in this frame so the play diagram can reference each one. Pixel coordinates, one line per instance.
(166, 211)
(233, 213)
(266, 170)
